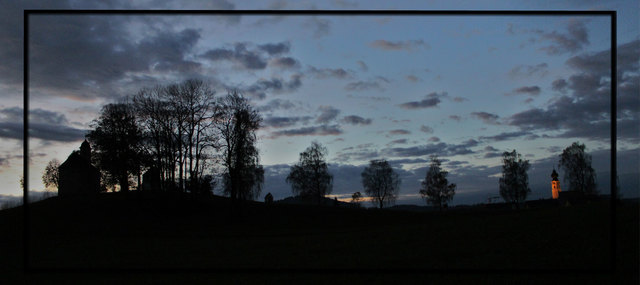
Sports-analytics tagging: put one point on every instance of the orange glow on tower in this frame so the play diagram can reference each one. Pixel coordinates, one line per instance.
(555, 185)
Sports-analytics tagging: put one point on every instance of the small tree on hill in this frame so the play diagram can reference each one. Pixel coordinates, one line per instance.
(356, 197)
(380, 182)
(514, 184)
(50, 175)
(435, 187)
(310, 177)
(577, 169)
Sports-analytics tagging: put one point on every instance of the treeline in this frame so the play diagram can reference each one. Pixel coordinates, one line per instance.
(310, 178)
(179, 134)
(183, 136)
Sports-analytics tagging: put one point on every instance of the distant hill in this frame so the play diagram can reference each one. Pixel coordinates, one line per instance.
(300, 200)
(412, 208)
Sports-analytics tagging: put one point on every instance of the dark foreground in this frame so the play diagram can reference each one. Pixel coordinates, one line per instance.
(169, 239)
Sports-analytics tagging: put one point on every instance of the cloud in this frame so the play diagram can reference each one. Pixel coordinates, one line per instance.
(327, 114)
(372, 98)
(526, 90)
(398, 141)
(455, 118)
(361, 152)
(459, 99)
(323, 130)
(239, 55)
(275, 48)
(399, 45)
(356, 120)
(426, 129)
(399, 132)
(583, 111)
(371, 84)
(84, 57)
(559, 85)
(506, 136)
(431, 100)
(441, 149)
(276, 85)
(284, 62)
(323, 73)
(487, 118)
(363, 66)
(283, 122)
(412, 78)
(43, 124)
(404, 161)
(48, 132)
(276, 104)
(492, 154)
(574, 40)
(490, 148)
(434, 139)
(524, 71)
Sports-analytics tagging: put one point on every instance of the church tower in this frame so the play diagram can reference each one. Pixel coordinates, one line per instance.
(555, 185)
(85, 151)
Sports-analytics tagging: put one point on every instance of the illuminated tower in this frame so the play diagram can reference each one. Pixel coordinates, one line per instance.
(555, 185)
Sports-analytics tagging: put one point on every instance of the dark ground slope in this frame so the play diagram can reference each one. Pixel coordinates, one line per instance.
(114, 233)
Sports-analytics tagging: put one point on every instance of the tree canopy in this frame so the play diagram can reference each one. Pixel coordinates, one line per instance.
(380, 182)
(117, 142)
(50, 177)
(244, 175)
(514, 184)
(577, 169)
(310, 177)
(436, 188)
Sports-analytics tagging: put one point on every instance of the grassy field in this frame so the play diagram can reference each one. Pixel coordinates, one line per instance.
(113, 233)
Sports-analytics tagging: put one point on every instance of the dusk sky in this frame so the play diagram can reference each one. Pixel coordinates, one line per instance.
(401, 88)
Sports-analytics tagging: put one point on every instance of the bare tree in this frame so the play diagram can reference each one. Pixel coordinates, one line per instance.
(381, 182)
(310, 177)
(436, 188)
(179, 127)
(514, 184)
(577, 169)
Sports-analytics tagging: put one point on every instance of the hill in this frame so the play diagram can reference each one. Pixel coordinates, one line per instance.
(133, 230)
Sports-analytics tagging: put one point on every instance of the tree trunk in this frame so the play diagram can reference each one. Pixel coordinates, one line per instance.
(124, 184)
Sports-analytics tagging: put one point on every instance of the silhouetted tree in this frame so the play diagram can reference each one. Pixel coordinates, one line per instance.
(179, 130)
(380, 182)
(268, 199)
(50, 176)
(156, 118)
(238, 123)
(117, 142)
(310, 177)
(356, 197)
(577, 169)
(514, 184)
(435, 187)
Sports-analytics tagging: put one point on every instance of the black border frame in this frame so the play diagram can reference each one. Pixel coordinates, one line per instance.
(613, 168)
